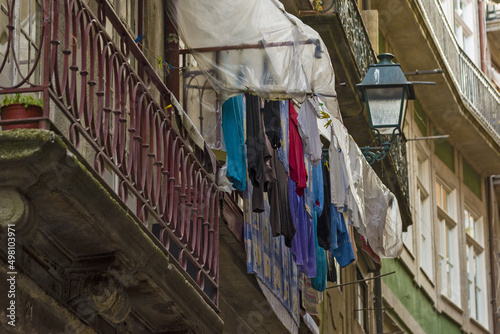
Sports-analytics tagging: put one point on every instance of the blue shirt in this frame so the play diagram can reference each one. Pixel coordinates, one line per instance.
(232, 128)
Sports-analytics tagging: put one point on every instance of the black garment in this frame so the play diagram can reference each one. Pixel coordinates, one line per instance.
(325, 220)
(331, 267)
(268, 177)
(272, 122)
(259, 153)
(255, 144)
(281, 216)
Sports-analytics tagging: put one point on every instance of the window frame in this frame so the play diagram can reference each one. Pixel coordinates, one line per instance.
(449, 278)
(361, 310)
(475, 256)
(425, 245)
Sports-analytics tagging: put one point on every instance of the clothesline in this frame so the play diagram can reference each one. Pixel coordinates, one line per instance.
(361, 280)
(259, 45)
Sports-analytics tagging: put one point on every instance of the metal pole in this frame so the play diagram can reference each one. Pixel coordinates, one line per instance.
(492, 239)
(250, 46)
(46, 63)
(417, 72)
(172, 47)
(429, 137)
(379, 315)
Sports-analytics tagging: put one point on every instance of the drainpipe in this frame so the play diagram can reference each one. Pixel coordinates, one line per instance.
(491, 209)
(481, 35)
(172, 55)
(379, 315)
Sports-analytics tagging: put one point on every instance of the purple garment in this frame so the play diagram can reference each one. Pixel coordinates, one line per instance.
(303, 247)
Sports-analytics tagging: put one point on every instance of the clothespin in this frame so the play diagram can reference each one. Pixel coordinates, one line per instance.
(325, 159)
(167, 107)
(172, 67)
(138, 39)
(325, 115)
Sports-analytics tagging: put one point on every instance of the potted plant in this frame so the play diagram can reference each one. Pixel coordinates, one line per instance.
(20, 107)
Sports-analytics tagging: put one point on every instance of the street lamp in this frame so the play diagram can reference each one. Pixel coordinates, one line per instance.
(386, 93)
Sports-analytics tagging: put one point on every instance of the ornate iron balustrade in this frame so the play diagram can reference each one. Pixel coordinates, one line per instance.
(361, 48)
(398, 157)
(110, 105)
(354, 28)
(477, 92)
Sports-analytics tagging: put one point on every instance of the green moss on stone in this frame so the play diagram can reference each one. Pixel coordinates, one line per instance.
(22, 143)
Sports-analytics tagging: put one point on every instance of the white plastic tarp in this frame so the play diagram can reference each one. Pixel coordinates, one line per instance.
(372, 208)
(255, 46)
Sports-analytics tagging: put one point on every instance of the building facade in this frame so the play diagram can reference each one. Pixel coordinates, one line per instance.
(448, 282)
(114, 204)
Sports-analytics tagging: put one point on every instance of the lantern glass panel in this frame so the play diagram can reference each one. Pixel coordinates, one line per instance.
(385, 107)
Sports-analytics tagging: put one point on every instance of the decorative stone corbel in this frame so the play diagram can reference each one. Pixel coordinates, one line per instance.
(100, 293)
(16, 212)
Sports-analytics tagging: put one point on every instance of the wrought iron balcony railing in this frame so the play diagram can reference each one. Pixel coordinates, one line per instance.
(399, 159)
(352, 23)
(354, 28)
(353, 53)
(359, 43)
(477, 92)
(114, 111)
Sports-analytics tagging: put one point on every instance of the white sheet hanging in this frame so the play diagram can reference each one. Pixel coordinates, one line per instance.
(255, 46)
(372, 209)
(308, 129)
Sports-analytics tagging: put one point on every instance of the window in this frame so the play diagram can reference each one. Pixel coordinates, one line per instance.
(473, 227)
(408, 239)
(362, 303)
(26, 39)
(445, 199)
(460, 16)
(426, 247)
(476, 271)
(4, 33)
(338, 270)
(448, 242)
(464, 25)
(447, 6)
(422, 171)
(459, 7)
(475, 291)
(127, 11)
(423, 214)
(448, 261)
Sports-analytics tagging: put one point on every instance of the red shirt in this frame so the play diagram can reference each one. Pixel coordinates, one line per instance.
(298, 171)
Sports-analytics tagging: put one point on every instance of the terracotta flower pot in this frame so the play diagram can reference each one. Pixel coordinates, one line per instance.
(20, 111)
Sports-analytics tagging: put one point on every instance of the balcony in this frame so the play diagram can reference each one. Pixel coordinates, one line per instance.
(345, 35)
(477, 92)
(343, 31)
(493, 35)
(108, 120)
